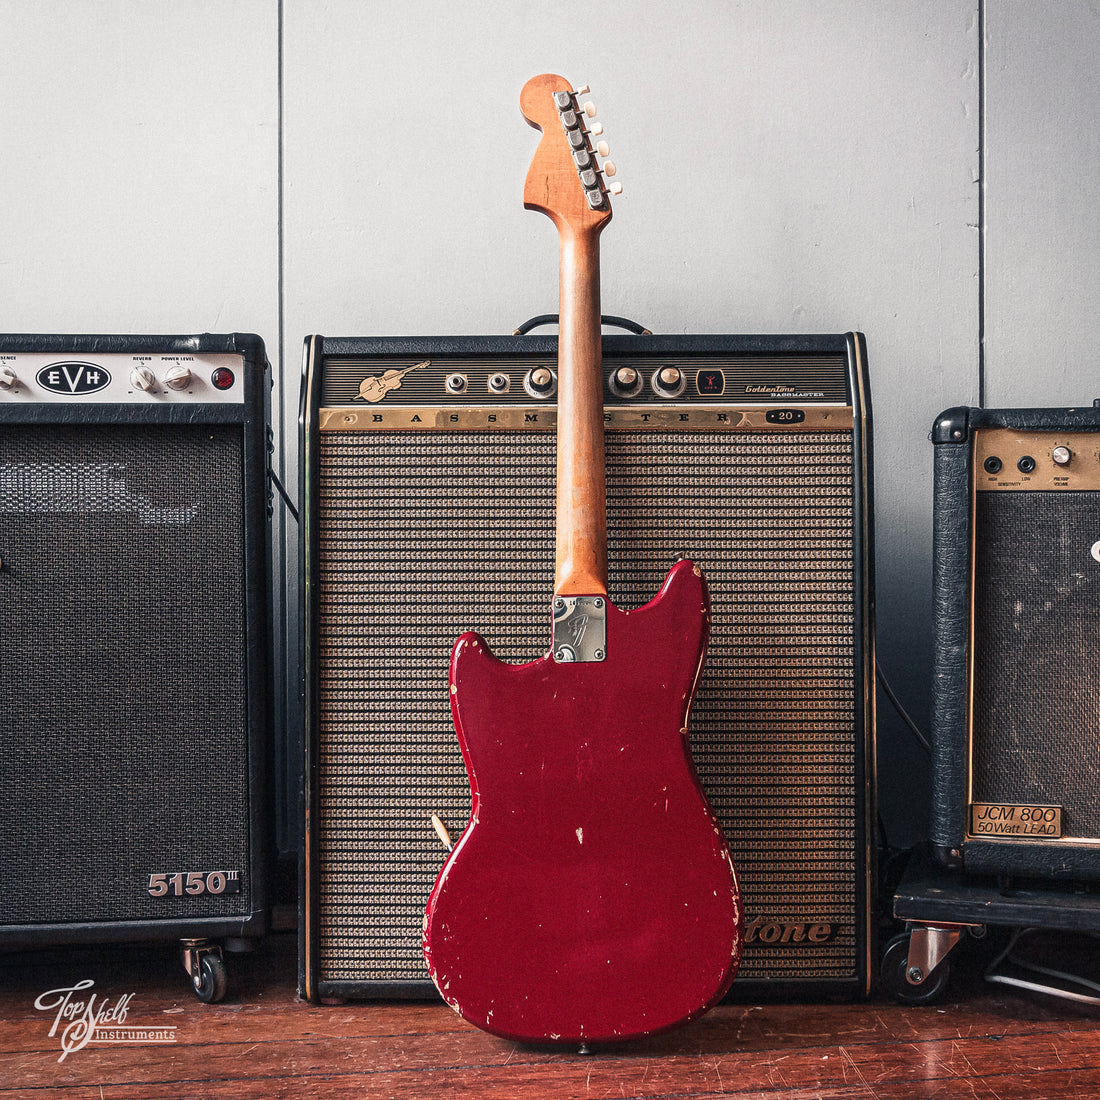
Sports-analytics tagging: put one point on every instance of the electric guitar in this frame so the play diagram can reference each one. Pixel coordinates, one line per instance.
(591, 896)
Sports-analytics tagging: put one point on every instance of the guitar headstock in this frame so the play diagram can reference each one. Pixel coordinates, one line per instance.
(565, 181)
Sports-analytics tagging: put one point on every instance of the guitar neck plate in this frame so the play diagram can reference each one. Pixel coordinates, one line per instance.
(580, 629)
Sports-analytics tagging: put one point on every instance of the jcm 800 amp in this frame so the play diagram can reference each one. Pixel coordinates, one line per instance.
(429, 469)
(1017, 585)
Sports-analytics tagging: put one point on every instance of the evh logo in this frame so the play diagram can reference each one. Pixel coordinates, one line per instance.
(73, 378)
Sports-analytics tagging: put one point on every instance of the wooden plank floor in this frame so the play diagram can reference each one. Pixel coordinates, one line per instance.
(981, 1041)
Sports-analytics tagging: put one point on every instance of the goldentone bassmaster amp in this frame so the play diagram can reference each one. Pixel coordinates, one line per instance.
(428, 489)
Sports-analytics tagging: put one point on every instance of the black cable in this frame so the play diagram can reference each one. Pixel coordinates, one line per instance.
(282, 492)
(881, 678)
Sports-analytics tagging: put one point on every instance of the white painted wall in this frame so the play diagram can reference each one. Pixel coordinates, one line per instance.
(789, 165)
(1042, 284)
(139, 186)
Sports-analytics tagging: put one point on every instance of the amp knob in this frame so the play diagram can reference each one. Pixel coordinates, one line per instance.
(669, 381)
(142, 378)
(1061, 456)
(177, 378)
(626, 382)
(540, 382)
(7, 378)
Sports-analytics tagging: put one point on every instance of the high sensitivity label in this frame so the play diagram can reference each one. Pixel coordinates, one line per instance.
(995, 819)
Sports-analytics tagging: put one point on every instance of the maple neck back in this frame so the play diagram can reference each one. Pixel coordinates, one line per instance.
(557, 187)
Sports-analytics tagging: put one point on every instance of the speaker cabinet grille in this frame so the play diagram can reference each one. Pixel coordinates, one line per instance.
(1039, 606)
(420, 536)
(131, 705)
(112, 536)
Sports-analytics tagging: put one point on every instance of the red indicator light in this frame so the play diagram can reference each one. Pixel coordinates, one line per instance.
(222, 378)
(710, 382)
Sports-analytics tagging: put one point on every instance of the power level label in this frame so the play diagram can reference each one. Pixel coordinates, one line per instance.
(995, 819)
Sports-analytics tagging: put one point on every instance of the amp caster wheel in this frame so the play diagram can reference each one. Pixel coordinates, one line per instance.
(212, 982)
(896, 975)
(206, 967)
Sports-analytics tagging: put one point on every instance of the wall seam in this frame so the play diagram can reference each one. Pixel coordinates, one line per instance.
(281, 290)
(284, 533)
(981, 201)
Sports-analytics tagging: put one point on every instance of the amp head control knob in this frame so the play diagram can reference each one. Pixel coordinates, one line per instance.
(540, 382)
(8, 378)
(177, 378)
(626, 381)
(142, 378)
(1061, 455)
(669, 381)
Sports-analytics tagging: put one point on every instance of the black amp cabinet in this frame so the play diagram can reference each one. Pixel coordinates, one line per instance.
(429, 510)
(133, 595)
(1016, 697)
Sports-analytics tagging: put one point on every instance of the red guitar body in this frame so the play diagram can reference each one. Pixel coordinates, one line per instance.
(591, 896)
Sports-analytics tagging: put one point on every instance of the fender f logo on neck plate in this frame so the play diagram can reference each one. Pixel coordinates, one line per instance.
(579, 629)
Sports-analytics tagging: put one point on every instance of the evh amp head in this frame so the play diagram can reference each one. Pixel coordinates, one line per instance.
(429, 469)
(1016, 690)
(134, 730)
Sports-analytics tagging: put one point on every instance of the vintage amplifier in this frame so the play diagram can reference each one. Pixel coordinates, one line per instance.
(1016, 789)
(428, 469)
(134, 702)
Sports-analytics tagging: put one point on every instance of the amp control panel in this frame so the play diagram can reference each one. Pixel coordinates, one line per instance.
(121, 378)
(1011, 460)
(639, 379)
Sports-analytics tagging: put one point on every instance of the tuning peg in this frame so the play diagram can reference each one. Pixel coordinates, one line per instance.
(603, 148)
(609, 168)
(596, 128)
(615, 188)
(584, 89)
(590, 109)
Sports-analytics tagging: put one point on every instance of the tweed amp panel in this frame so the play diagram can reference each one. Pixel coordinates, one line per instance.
(429, 489)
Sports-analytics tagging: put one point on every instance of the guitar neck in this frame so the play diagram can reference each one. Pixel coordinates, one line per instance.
(564, 183)
(581, 557)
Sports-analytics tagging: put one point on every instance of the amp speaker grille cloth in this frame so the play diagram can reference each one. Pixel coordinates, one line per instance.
(122, 699)
(424, 535)
(1037, 664)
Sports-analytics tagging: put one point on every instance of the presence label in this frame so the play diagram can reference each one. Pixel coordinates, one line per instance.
(993, 819)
